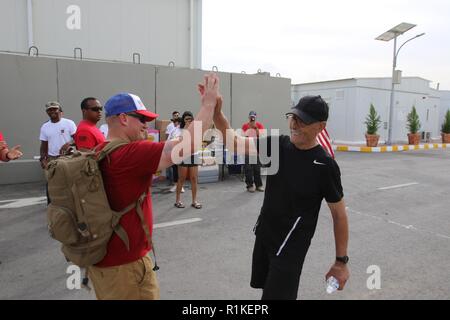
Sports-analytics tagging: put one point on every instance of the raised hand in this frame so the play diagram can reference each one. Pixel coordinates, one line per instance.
(209, 90)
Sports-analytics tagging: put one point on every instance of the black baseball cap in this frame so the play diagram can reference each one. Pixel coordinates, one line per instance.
(311, 109)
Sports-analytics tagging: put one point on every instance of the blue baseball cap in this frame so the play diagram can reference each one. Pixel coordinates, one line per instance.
(252, 114)
(125, 103)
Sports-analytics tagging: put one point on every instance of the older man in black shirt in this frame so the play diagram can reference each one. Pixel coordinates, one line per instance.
(293, 196)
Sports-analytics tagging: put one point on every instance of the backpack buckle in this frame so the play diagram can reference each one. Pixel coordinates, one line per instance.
(82, 229)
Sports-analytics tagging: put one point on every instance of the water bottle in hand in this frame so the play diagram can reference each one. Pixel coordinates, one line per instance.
(332, 284)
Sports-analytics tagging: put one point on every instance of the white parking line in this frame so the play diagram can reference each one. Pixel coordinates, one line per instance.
(175, 223)
(407, 227)
(398, 186)
(24, 202)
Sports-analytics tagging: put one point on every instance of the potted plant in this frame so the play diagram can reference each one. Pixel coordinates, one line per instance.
(372, 125)
(413, 126)
(446, 128)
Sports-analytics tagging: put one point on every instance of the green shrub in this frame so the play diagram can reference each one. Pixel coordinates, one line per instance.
(446, 124)
(372, 121)
(413, 123)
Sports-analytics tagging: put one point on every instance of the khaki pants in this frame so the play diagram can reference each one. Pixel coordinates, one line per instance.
(132, 281)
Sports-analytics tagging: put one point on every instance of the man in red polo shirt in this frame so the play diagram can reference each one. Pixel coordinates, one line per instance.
(252, 166)
(88, 135)
(127, 273)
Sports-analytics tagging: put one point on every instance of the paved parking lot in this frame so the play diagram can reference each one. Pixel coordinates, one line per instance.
(399, 225)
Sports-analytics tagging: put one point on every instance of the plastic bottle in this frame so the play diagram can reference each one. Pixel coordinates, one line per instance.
(332, 284)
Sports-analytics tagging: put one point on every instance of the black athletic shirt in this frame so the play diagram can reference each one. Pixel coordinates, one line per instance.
(303, 180)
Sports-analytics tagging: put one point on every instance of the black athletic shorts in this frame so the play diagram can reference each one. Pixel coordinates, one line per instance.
(193, 161)
(278, 275)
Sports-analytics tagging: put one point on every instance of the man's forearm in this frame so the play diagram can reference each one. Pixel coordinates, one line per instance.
(221, 123)
(340, 224)
(43, 153)
(233, 141)
(205, 118)
(341, 235)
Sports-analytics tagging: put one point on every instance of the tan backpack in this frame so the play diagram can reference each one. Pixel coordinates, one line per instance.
(79, 215)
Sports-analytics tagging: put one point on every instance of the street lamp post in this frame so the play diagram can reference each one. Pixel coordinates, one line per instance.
(387, 36)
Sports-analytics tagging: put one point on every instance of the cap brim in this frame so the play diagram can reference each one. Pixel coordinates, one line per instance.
(303, 116)
(150, 116)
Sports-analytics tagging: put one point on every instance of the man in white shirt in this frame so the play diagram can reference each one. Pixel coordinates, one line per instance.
(174, 133)
(172, 125)
(56, 134)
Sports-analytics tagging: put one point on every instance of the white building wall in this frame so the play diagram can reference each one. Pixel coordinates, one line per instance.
(159, 30)
(13, 25)
(380, 101)
(340, 96)
(350, 101)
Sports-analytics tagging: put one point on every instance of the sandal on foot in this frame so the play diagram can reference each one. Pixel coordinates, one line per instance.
(179, 204)
(196, 205)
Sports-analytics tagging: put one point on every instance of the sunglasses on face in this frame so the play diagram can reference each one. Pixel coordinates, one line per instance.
(96, 109)
(142, 119)
(300, 122)
(293, 117)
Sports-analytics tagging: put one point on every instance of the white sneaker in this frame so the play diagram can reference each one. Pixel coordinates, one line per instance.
(182, 189)
(173, 189)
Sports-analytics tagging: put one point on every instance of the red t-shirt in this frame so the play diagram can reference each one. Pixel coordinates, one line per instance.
(3, 151)
(126, 176)
(88, 136)
(250, 132)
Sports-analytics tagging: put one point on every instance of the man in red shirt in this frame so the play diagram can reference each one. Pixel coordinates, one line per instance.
(252, 170)
(123, 273)
(88, 135)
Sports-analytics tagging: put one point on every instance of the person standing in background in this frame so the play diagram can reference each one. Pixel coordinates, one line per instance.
(56, 135)
(171, 125)
(252, 170)
(88, 136)
(173, 134)
(189, 166)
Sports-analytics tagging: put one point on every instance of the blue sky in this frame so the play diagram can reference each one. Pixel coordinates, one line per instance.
(321, 40)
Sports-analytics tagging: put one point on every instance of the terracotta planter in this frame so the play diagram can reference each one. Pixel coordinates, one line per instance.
(372, 140)
(445, 137)
(414, 138)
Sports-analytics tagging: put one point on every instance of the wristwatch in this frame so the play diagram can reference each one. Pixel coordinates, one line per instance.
(343, 259)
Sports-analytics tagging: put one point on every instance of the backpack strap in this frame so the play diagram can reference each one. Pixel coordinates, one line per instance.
(141, 216)
(120, 231)
(110, 147)
(144, 225)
